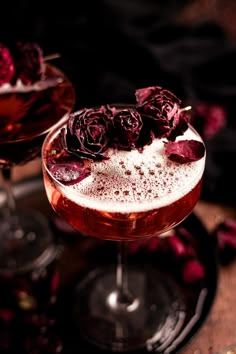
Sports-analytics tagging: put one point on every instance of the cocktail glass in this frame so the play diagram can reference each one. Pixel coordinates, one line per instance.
(25, 118)
(131, 195)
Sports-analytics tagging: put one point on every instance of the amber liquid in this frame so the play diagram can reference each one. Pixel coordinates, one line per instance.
(26, 117)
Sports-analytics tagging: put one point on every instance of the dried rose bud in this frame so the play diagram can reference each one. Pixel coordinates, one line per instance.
(161, 112)
(127, 124)
(29, 62)
(7, 67)
(87, 134)
(192, 271)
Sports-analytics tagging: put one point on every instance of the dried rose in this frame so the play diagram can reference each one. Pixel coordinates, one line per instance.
(162, 113)
(127, 124)
(7, 67)
(87, 134)
(185, 150)
(29, 62)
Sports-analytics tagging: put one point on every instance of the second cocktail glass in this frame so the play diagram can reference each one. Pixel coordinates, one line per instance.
(34, 96)
(125, 174)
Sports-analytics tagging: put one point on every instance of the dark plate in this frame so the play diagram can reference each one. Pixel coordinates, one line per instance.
(83, 253)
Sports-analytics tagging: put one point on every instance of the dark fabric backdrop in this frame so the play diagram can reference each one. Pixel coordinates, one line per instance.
(111, 47)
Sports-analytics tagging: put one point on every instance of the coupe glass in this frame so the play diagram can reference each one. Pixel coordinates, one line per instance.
(25, 118)
(122, 308)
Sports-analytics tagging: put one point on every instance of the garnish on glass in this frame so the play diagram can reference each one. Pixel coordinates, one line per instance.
(22, 67)
(90, 132)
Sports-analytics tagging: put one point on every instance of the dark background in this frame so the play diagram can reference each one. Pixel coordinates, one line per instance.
(109, 48)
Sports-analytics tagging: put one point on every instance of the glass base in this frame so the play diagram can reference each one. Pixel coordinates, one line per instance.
(150, 319)
(26, 241)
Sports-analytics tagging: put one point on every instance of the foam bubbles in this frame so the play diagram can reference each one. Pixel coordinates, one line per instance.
(19, 87)
(134, 181)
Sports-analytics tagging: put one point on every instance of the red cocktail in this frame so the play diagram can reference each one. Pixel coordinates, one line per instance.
(132, 195)
(27, 113)
(122, 174)
(34, 96)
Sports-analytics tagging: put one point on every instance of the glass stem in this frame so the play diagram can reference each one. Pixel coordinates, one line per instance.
(7, 185)
(11, 224)
(124, 298)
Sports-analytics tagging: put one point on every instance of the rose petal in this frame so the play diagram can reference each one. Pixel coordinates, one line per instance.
(192, 271)
(69, 173)
(177, 246)
(185, 150)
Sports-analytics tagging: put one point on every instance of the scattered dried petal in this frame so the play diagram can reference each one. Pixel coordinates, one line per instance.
(176, 246)
(185, 150)
(192, 271)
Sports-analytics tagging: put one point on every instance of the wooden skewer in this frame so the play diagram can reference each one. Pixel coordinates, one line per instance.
(52, 56)
(187, 108)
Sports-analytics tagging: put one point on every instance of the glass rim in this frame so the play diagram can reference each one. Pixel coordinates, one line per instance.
(141, 205)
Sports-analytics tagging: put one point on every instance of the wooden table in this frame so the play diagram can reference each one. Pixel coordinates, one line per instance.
(219, 329)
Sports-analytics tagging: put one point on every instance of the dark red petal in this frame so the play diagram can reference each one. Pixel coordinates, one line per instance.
(185, 150)
(69, 173)
(153, 244)
(226, 238)
(177, 246)
(192, 271)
